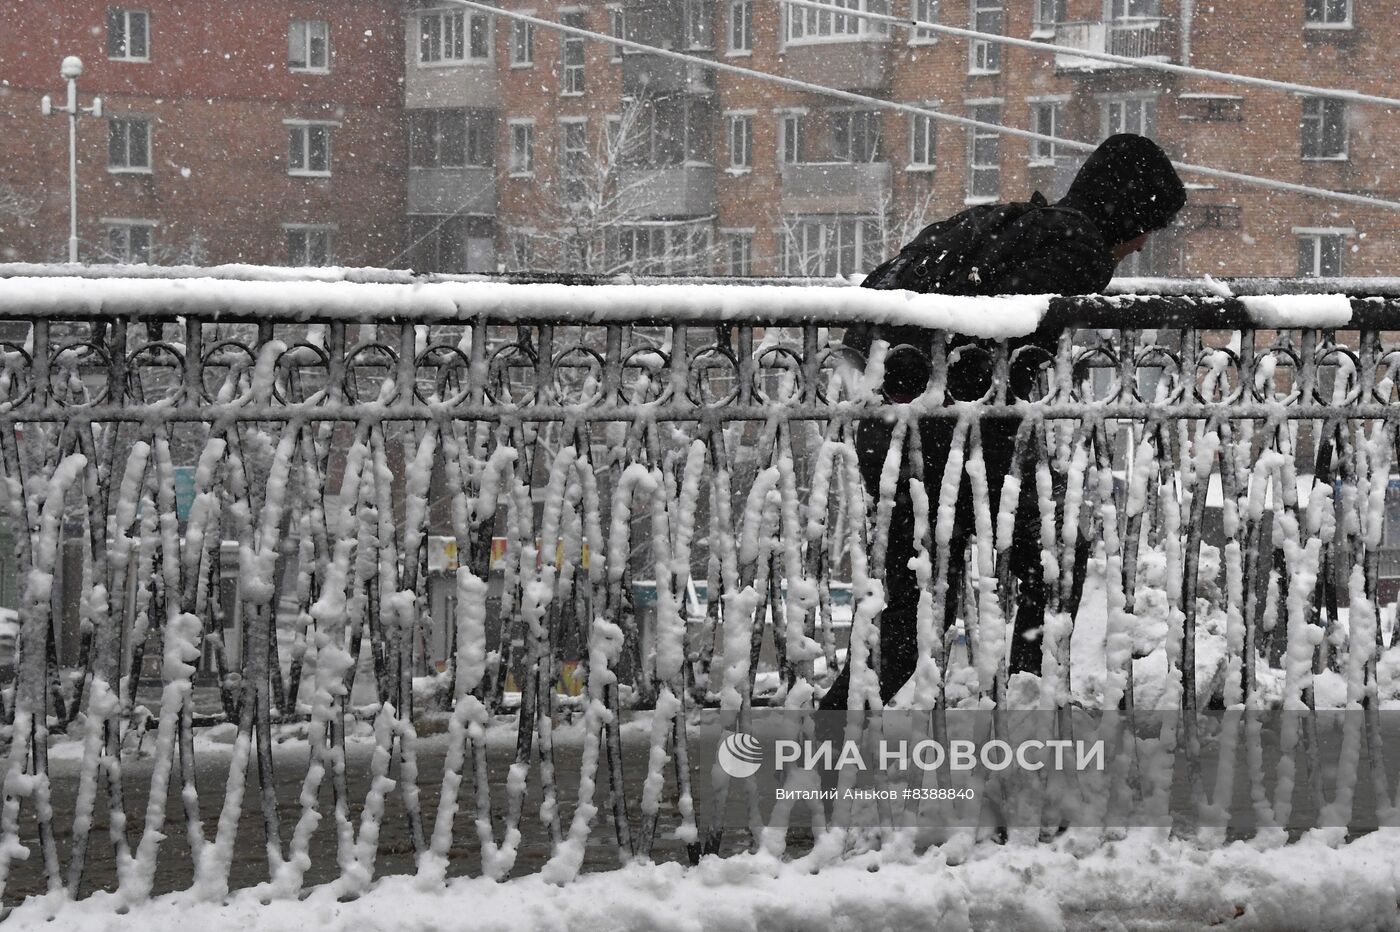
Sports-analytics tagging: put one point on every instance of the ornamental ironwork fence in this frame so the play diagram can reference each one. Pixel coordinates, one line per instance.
(269, 535)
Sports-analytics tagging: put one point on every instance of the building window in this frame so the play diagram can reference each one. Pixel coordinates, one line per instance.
(672, 130)
(309, 149)
(804, 24)
(617, 28)
(984, 155)
(451, 138)
(129, 242)
(1320, 253)
(129, 144)
(1048, 15)
(521, 243)
(573, 161)
(666, 248)
(1324, 128)
(985, 56)
(308, 245)
(925, 11)
(1210, 108)
(128, 34)
(827, 246)
(922, 136)
(571, 77)
(446, 36)
(1135, 9)
(1327, 13)
(738, 253)
(522, 44)
(790, 133)
(741, 25)
(855, 136)
(522, 148)
(698, 26)
(309, 45)
(1046, 119)
(740, 141)
(1129, 115)
(452, 243)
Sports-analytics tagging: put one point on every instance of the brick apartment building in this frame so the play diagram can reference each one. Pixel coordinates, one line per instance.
(740, 176)
(283, 131)
(267, 131)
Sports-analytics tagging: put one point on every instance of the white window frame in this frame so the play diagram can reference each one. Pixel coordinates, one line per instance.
(305, 127)
(449, 38)
(975, 133)
(1317, 235)
(126, 17)
(1146, 124)
(808, 26)
(925, 11)
(128, 168)
(519, 30)
(564, 124)
(617, 28)
(1041, 26)
(923, 128)
(697, 25)
(127, 224)
(686, 247)
(1320, 119)
(739, 23)
(790, 135)
(567, 42)
(796, 240)
(984, 57)
(1325, 23)
(307, 27)
(1045, 153)
(730, 236)
(740, 143)
(517, 167)
(328, 230)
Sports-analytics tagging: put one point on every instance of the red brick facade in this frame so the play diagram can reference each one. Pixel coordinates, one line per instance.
(216, 87)
(218, 90)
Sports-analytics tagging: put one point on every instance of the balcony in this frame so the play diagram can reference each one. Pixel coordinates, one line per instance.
(671, 190)
(468, 190)
(835, 187)
(1145, 38)
(653, 75)
(860, 64)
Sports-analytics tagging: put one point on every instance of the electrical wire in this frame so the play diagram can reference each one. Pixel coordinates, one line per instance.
(1143, 63)
(807, 87)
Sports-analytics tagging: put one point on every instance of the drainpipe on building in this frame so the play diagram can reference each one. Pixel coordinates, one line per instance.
(1188, 9)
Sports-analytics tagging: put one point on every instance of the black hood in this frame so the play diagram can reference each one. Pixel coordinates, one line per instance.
(1127, 187)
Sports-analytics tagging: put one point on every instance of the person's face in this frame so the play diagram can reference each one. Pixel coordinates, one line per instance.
(1124, 250)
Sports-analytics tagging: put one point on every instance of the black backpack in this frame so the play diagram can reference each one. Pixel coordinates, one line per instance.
(966, 254)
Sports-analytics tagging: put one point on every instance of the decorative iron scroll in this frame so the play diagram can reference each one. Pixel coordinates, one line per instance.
(569, 467)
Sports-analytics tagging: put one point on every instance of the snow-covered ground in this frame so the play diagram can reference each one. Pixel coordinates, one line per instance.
(1138, 882)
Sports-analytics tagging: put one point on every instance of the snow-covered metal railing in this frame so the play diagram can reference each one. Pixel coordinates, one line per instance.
(568, 442)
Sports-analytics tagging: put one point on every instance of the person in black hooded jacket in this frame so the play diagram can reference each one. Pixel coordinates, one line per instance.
(1125, 190)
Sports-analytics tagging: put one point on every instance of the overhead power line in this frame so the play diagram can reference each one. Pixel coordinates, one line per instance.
(806, 87)
(1144, 63)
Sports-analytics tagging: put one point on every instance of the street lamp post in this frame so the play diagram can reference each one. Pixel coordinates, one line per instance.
(71, 70)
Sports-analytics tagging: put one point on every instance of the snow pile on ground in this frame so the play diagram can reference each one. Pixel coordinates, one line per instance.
(1142, 881)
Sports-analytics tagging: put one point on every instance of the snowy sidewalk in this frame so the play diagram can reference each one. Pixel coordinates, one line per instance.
(1136, 884)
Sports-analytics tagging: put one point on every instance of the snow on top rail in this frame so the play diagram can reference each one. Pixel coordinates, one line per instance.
(246, 293)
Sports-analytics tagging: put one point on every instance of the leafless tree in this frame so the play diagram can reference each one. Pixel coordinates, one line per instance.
(600, 195)
(17, 209)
